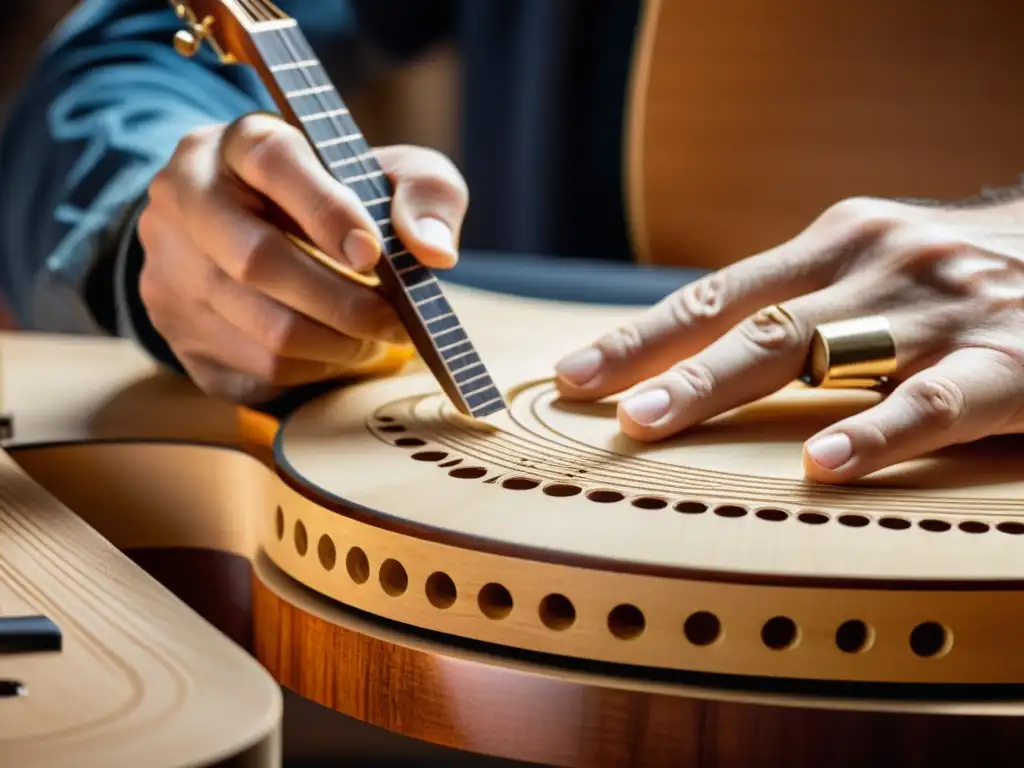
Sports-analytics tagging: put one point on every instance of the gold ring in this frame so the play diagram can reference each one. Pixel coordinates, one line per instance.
(851, 354)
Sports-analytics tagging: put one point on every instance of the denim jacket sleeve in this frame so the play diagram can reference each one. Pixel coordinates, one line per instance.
(103, 109)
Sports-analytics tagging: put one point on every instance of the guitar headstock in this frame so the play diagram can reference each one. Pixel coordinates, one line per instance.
(227, 26)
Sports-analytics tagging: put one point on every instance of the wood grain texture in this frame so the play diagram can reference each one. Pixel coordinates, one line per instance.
(141, 680)
(748, 119)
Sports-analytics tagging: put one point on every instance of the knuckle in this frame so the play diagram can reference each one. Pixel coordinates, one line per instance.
(704, 299)
(162, 189)
(622, 343)
(771, 331)
(263, 149)
(253, 260)
(277, 331)
(939, 401)
(437, 187)
(694, 376)
(860, 221)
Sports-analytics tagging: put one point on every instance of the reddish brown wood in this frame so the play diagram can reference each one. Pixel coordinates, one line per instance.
(523, 713)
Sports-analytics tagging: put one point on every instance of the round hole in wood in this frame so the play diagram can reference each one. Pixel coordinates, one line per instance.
(649, 502)
(357, 565)
(279, 523)
(327, 553)
(430, 455)
(557, 612)
(626, 622)
(520, 484)
(853, 521)
(1014, 529)
(894, 523)
(853, 636)
(779, 633)
(973, 526)
(393, 428)
(605, 497)
(385, 419)
(934, 526)
(468, 473)
(393, 578)
(452, 463)
(812, 518)
(772, 515)
(730, 510)
(495, 601)
(301, 538)
(562, 490)
(691, 507)
(702, 628)
(441, 590)
(930, 639)
(410, 442)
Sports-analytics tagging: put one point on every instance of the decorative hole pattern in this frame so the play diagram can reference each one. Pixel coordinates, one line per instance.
(557, 612)
(357, 565)
(702, 628)
(441, 590)
(393, 578)
(301, 538)
(387, 426)
(279, 523)
(854, 636)
(327, 553)
(780, 633)
(930, 639)
(626, 622)
(495, 601)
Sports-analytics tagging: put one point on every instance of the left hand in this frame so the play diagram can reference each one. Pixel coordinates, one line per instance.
(950, 282)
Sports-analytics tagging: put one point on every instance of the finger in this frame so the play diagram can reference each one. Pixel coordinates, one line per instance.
(174, 262)
(762, 354)
(689, 320)
(277, 160)
(429, 205)
(970, 394)
(259, 256)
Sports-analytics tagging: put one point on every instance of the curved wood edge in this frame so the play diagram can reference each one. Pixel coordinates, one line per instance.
(634, 156)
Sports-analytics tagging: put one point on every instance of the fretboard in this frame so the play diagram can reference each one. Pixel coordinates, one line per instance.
(316, 107)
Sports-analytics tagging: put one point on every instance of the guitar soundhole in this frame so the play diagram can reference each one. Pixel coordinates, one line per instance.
(702, 628)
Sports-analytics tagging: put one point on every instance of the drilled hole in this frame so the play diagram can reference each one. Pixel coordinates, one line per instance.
(357, 565)
(429, 455)
(853, 636)
(973, 526)
(393, 578)
(468, 473)
(649, 502)
(894, 523)
(812, 518)
(385, 419)
(410, 442)
(691, 507)
(934, 526)
(772, 515)
(441, 590)
(452, 463)
(495, 601)
(279, 523)
(327, 553)
(779, 633)
(520, 484)
(605, 497)
(702, 628)
(393, 428)
(1015, 529)
(853, 521)
(562, 490)
(730, 510)
(10, 688)
(557, 612)
(930, 639)
(626, 622)
(301, 538)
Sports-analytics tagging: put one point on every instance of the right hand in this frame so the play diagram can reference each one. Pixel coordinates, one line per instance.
(246, 312)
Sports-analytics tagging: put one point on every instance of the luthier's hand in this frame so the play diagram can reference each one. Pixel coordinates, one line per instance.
(247, 312)
(950, 282)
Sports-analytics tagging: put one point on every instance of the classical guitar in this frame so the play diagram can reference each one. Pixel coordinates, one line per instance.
(538, 588)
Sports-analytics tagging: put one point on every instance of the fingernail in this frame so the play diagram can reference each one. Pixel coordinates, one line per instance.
(647, 407)
(580, 367)
(436, 233)
(361, 250)
(831, 451)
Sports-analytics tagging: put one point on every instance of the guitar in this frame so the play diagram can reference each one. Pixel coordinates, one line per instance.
(693, 604)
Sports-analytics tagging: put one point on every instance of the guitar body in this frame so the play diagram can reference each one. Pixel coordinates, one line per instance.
(748, 119)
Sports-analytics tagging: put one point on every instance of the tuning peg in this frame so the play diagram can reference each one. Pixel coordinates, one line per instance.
(187, 44)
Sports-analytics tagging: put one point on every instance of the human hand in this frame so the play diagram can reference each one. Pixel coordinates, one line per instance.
(949, 281)
(245, 311)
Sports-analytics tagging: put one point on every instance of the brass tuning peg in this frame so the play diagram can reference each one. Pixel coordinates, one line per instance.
(187, 44)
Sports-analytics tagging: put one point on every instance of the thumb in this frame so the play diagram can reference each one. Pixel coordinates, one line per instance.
(429, 204)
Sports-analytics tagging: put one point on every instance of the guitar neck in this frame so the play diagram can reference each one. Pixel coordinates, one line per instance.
(308, 100)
